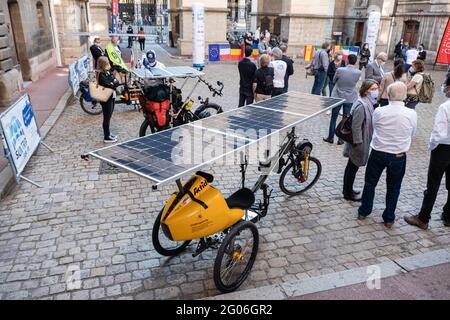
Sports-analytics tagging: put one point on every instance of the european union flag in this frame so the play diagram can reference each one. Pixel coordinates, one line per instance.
(214, 52)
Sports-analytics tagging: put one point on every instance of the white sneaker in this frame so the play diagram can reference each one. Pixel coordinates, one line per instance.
(110, 140)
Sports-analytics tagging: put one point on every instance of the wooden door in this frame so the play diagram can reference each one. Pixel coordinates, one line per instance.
(411, 32)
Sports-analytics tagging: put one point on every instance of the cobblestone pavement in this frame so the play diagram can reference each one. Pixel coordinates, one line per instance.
(102, 223)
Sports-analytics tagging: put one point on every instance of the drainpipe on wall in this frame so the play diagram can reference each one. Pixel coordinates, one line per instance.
(391, 26)
(55, 33)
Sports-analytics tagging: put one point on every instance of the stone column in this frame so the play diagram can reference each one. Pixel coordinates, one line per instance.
(241, 23)
(215, 23)
(254, 16)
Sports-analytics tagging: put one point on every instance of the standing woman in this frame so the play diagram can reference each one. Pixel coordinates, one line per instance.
(107, 79)
(415, 82)
(398, 74)
(332, 67)
(141, 39)
(362, 130)
(364, 56)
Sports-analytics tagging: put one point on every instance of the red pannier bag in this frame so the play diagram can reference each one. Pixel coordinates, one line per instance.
(159, 109)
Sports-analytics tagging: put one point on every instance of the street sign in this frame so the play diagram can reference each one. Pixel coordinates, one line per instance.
(20, 133)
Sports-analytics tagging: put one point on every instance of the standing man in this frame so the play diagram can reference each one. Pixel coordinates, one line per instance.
(374, 70)
(130, 38)
(96, 50)
(411, 55)
(345, 80)
(279, 67)
(290, 66)
(320, 66)
(439, 164)
(257, 35)
(247, 71)
(393, 125)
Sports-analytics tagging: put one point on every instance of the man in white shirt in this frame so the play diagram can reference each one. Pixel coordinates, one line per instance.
(439, 164)
(279, 68)
(411, 55)
(393, 127)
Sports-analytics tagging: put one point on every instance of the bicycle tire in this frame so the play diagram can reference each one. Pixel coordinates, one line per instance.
(205, 107)
(96, 110)
(235, 230)
(144, 127)
(289, 168)
(157, 243)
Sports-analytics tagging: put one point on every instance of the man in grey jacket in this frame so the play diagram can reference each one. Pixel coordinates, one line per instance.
(345, 80)
(320, 66)
(374, 70)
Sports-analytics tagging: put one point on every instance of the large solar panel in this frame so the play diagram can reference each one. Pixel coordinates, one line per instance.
(167, 155)
(168, 72)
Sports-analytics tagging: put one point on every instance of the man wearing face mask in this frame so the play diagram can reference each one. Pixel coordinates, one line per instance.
(439, 164)
(374, 70)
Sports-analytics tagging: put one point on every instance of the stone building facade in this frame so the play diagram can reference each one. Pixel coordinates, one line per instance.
(345, 21)
(181, 22)
(33, 39)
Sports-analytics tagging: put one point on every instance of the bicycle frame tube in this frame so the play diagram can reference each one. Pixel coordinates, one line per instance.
(275, 160)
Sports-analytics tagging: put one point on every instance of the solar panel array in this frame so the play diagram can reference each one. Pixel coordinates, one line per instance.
(167, 155)
(168, 72)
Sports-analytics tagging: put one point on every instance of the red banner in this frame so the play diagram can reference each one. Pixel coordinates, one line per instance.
(115, 7)
(444, 49)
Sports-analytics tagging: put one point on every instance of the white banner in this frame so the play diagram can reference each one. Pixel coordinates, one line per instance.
(373, 24)
(198, 35)
(20, 133)
(78, 71)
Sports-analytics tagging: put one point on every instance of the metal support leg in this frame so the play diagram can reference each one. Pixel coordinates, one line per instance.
(30, 181)
(47, 147)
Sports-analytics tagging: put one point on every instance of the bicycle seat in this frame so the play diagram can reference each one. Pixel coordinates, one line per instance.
(207, 176)
(242, 199)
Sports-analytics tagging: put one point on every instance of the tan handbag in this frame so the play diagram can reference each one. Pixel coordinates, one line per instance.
(99, 93)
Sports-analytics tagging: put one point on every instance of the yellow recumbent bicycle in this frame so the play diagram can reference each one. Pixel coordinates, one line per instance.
(197, 210)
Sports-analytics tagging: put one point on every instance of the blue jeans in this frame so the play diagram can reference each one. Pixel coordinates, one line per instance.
(330, 86)
(319, 80)
(334, 115)
(395, 170)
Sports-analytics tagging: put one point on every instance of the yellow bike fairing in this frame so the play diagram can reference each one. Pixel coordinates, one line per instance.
(189, 220)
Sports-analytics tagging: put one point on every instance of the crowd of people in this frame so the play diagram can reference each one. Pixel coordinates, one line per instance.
(383, 122)
(269, 80)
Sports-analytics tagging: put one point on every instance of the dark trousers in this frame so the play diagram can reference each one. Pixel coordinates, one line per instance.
(107, 108)
(245, 99)
(330, 86)
(439, 164)
(142, 44)
(349, 177)
(395, 166)
(319, 81)
(334, 115)
(130, 42)
(277, 91)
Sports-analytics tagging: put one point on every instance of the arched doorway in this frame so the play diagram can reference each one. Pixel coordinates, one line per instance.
(411, 32)
(265, 24)
(19, 39)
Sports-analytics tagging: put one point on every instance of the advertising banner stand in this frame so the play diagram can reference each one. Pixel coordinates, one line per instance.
(20, 136)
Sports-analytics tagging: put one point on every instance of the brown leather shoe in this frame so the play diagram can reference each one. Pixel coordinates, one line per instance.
(388, 225)
(415, 221)
(361, 217)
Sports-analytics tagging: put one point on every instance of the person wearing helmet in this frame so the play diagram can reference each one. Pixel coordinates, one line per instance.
(149, 60)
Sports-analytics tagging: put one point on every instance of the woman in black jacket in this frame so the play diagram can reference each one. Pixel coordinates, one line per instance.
(332, 67)
(107, 79)
(364, 56)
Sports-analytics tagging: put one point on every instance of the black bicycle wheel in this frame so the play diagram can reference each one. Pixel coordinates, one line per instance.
(292, 184)
(236, 256)
(207, 110)
(164, 245)
(92, 107)
(146, 128)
